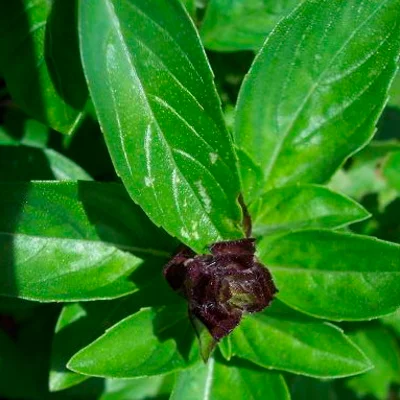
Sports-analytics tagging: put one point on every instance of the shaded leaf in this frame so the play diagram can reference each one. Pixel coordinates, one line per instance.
(80, 324)
(23, 163)
(58, 241)
(394, 99)
(219, 381)
(393, 320)
(39, 58)
(322, 104)
(150, 342)
(317, 268)
(303, 206)
(231, 25)
(153, 92)
(381, 348)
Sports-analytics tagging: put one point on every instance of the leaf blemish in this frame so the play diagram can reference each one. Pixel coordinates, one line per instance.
(213, 158)
(204, 196)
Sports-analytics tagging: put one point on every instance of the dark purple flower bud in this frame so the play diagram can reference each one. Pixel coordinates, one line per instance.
(220, 287)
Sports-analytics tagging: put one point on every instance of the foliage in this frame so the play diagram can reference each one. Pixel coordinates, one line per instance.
(118, 146)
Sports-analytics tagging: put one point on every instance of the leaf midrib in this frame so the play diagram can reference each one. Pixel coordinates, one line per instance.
(158, 129)
(298, 112)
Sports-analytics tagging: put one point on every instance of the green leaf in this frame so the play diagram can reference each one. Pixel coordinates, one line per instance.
(231, 25)
(391, 170)
(301, 388)
(150, 387)
(190, 7)
(220, 381)
(59, 377)
(394, 99)
(326, 69)
(18, 128)
(80, 324)
(39, 58)
(303, 206)
(57, 241)
(333, 275)
(46, 269)
(298, 345)
(24, 163)
(393, 320)
(153, 92)
(382, 349)
(150, 342)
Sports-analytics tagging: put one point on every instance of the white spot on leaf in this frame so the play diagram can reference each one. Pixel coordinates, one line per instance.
(206, 200)
(213, 157)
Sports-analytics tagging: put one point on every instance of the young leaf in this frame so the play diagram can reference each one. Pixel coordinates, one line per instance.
(231, 25)
(381, 348)
(151, 342)
(24, 163)
(57, 241)
(220, 381)
(333, 275)
(303, 206)
(391, 170)
(317, 88)
(153, 92)
(80, 324)
(297, 345)
(39, 58)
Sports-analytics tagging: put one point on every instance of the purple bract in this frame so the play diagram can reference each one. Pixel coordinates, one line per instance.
(221, 286)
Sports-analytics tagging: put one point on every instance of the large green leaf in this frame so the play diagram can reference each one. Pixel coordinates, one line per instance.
(24, 163)
(58, 241)
(151, 342)
(153, 92)
(317, 88)
(381, 348)
(303, 206)
(217, 380)
(39, 58)
(231, 25)
(298, 345)
(391, 170)
(333, 275)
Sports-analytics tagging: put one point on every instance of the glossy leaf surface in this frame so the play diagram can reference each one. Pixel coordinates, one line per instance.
(297, 345)
(301, 207)
(381, 348)
(58, 241)
(317, 268)
(39, 58)
(231, 25)
(153, 92)
(219, 381)
(326, 70)
(150, 342)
